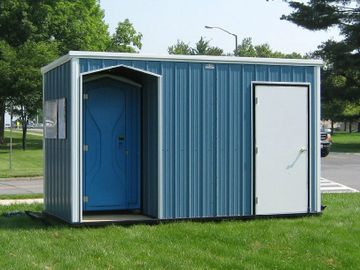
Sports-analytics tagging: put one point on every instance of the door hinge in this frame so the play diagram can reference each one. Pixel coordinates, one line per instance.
(256, 150)
(256, 100)
(86, 199)
(86, 96)
(256, 200)
(86, 148)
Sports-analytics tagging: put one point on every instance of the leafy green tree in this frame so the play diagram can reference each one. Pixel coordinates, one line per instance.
(247, 49)
(7, 56)
(180, 48)
(341, 79)
(38, 32)
(125, 38)
(75, 25)
(202, 47)
(27, 80)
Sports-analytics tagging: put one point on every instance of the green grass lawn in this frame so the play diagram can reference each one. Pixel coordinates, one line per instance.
(346, 142)
(330, 241)
(24, 163)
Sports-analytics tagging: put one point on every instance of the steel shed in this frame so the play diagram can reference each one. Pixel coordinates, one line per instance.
(132, 137)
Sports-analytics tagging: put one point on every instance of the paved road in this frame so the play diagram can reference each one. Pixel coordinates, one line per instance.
(328, 186)
(21, 186)
(342, 168)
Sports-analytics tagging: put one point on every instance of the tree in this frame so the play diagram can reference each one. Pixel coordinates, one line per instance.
(341, 79)
(180, 48)
(75, 25)
(38, 32)
(202, 47)
(125, 38)
(7, 55)
(247, 49)
(27, 80)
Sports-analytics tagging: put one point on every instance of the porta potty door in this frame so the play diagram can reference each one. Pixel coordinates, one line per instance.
(281, 158)
(111, 128)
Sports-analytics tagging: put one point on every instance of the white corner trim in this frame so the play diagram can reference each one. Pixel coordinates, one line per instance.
(317, 138)
(181, 58)
(160, 151)
(75, 153)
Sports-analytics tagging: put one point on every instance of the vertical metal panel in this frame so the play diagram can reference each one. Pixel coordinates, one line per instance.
(58, 200)
(195, 139)
(236, 122)
(249, 75)
(208, 144)
(169, 137)
(274, 73)
(207, 132)
(223, 141)
(181, 192)
(309, 76)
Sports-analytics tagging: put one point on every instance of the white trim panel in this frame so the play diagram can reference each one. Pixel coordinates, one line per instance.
(181, 58)
(75, 153)
(317, 90)
(119, 66)
(160, 150)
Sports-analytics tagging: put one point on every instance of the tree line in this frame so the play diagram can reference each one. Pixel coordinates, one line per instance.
(34, 33)
(341, 74)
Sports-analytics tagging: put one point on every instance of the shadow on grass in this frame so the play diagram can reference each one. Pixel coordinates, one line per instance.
(24, 222)
(13, 217)
(32, 143)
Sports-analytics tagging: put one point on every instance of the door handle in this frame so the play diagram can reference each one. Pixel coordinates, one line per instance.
(302, 150)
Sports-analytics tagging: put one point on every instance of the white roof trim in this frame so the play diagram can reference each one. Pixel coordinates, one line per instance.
(120, 66)
(181, 58)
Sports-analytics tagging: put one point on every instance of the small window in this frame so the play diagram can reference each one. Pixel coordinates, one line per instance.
(50, 121)
(61, 118)
(55, 119)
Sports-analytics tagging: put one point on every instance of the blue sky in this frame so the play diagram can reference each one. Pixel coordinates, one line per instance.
(163, 22)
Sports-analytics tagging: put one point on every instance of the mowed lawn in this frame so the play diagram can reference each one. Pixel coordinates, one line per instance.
(346, 142)
(329, 241)
(24, 163)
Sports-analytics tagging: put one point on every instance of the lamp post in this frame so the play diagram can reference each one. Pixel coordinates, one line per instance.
(226, 31)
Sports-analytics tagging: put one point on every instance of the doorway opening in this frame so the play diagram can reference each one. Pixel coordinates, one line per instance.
(120, 145)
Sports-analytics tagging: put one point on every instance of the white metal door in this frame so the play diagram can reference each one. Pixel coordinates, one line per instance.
(281, 149)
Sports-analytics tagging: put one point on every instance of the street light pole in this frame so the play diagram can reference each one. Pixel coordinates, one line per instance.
(226, 31)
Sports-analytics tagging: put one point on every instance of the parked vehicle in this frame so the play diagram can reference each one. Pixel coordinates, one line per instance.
(325, 142)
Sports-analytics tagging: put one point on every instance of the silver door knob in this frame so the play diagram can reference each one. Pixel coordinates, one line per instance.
(303, 149)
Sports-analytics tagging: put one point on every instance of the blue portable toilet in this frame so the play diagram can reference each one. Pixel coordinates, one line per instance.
(135, 138)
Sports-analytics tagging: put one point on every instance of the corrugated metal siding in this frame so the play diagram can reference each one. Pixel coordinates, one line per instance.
(207, 132)
(58, 179)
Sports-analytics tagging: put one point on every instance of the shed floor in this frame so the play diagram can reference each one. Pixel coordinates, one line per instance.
(114, 218)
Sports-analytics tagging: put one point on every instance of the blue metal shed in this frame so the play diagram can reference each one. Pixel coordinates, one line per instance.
(132, 137)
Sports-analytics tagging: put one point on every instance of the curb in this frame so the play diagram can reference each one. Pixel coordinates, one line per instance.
(21, 201)
(21, 179)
